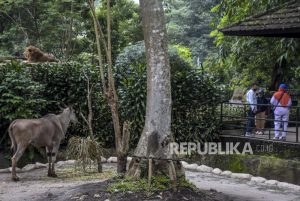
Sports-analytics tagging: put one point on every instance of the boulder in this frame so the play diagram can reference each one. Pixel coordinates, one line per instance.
(271, 182)
(112, 160)
(103, 160)
(6, 170)
(258, 179)
(204, 168)
(129, 159)
(226, 173)
(184, 164)
(60, 163)
(40, 165)
(288, 186)
(28, 167)
(241, 176)
(193, 167)
(70, 162)
(17, 169)
(217, 171)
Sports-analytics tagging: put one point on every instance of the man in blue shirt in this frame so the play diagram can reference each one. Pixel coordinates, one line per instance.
(252, 101)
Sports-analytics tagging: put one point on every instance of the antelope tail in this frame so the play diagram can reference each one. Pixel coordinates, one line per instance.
(12, 138)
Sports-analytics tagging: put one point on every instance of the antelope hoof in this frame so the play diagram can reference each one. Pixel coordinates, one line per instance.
(15, 178)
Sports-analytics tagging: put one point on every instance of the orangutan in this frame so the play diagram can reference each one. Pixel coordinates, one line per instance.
(35, 55)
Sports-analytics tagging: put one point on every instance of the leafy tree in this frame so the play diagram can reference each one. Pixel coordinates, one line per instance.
(63, 28)
(54, 26)
(191, 107)
(126, 23)
(188, 24)
(242, 60)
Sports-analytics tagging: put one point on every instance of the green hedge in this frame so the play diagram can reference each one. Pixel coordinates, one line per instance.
(31, 91)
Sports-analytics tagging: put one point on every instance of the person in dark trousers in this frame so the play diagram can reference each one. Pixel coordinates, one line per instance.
(252, 101)
(260, 117)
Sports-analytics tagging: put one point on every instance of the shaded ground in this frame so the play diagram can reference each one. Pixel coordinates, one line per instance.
(97, 191)
(73, 185)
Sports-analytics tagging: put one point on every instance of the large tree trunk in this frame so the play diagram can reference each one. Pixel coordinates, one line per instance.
(156, 135)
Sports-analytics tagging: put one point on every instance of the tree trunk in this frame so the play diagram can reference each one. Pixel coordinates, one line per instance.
(277, 74)
(110, 93)
(156, 135)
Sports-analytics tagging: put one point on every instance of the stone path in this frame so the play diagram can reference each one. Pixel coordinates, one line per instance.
(240, 189)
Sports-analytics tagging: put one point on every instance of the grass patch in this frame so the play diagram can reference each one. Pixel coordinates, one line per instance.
(158, 183)
(77, 174)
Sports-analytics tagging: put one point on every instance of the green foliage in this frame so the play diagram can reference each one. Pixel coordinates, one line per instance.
(31, 91)
(188, 24)
(239, 61)
(126, 23)
(158, 183)
(64, 27)
(20, 95)
(194, 114)
(54, 26)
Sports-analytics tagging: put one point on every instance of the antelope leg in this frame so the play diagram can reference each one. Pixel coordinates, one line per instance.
(14, 160)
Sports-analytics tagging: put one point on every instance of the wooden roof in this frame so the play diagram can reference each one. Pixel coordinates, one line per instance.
(281, 21)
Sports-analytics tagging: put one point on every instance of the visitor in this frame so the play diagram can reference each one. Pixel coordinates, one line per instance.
(252, 101)
(281, 102)
(260, 117)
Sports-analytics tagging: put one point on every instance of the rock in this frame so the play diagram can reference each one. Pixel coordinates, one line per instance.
(6, 170)
(112, 160)
(204, 168)
(103, 160)
(285, 185)
(129, 159)
(60, 163)
(226, 173)
(271, 182)
(17, 169)
(184, 164)
(70, 162)
(40, 165)
(28, 167)
(193, 166)
(216, 171)
(258, 179)
(294, 187)
(83, 197)
(241, 176)
(97, 196)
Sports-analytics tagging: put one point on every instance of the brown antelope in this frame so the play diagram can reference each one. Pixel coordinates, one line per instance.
(47, 131)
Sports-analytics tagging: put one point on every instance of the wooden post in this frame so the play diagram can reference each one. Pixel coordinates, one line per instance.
(149, 173)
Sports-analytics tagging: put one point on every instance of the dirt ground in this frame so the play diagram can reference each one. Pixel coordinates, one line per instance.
(73, 185)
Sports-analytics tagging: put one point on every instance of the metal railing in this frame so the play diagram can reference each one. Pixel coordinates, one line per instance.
(234, 116)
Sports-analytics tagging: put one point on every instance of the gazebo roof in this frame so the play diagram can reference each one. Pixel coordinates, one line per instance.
(281, 21)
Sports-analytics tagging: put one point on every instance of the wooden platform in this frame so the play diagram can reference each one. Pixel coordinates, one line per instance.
(268, 134)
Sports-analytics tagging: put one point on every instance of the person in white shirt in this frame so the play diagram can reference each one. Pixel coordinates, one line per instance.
(281, 102)
(252, 101)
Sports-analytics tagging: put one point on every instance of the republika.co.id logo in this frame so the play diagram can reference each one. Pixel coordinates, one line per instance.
(210, 148)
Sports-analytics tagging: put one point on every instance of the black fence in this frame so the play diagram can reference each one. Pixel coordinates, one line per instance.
(233, 117)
